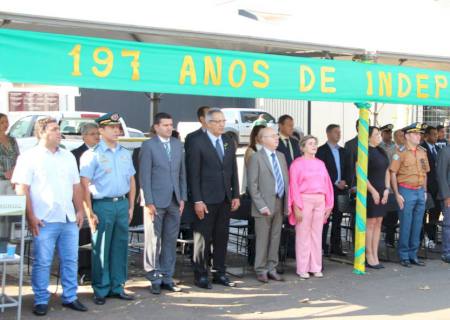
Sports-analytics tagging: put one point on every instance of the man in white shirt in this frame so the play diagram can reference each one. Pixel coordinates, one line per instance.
(48, 176)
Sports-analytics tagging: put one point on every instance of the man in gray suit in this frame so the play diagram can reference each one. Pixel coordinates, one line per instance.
(163, 183)
(268, 182)
(443, 178)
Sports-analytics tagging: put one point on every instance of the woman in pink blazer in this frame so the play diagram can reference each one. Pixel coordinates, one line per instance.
(310, 202)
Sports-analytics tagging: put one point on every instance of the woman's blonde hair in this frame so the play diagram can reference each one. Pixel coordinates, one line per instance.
(305, 139)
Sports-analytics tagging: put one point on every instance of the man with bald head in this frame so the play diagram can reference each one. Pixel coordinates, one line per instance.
(268, 181)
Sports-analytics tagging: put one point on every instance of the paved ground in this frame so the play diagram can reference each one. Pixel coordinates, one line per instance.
(392, 293)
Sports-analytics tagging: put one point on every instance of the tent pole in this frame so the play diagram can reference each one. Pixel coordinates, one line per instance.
(361, 189)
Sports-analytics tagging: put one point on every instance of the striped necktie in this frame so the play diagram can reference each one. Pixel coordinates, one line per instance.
(278, 176)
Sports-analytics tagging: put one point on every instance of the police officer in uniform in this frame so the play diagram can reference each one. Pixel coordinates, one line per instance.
(409, 169)
(107, 173)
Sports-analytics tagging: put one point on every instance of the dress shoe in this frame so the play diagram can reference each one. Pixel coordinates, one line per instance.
(40, 309)
(273, 275)
(99, 300)
(417, 262)
(304, 275)
(203, 283)
(318, 275)
(171, 287)
(405, 263)
(390, 244)
(374, 266)
(155, 289)
(75, 305)
(446, 258)
(223, 280)
(123, 296)
(262, 278)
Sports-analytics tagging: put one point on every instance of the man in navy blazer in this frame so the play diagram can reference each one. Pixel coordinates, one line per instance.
(334, 157)
(163, 182)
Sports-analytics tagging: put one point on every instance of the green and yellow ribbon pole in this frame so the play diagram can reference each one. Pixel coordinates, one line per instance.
(361, 189)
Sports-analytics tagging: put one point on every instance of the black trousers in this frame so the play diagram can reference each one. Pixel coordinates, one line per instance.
(390, 222)
(212, 231)
(335, 238)
(430, 227)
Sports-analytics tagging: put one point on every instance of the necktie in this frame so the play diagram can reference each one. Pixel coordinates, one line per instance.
(289, 147)
(167, 147)
(278, 176)
(219, 149)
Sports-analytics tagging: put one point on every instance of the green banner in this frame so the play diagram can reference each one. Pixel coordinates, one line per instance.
(43, 58)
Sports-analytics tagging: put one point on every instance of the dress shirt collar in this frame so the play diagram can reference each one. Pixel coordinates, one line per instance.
(103, 146)
(332, 145)
(164, 140)
(269, 152)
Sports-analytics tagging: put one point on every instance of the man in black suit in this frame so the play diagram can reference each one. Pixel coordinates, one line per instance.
(334, 157)
(214, 190)
(287, 145)
(201, 114)
(91, 137)
(429, 143)
(351, 149)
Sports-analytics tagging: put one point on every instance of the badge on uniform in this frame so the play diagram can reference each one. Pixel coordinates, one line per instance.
(395, 157)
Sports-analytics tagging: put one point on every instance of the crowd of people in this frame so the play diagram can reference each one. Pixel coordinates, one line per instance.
(288, 180)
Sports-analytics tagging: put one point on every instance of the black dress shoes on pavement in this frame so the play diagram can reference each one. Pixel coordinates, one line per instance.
(223, 280)
(99, 300)
(75, 305)
(203, 283)
(417, 262)
(155, 289)
(338, 252)
(40, 309)
(171, 287)
(405, 263)
(123, 296)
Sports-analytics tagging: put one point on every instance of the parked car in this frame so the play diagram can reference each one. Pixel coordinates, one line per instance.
(70, 124)
(239, 123)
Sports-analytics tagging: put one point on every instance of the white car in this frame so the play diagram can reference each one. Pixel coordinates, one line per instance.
(70, 124)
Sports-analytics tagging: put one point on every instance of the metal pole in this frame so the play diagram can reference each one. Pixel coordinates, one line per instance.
(361, 189)
(308, 110)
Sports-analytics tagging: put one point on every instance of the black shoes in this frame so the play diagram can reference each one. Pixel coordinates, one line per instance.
(338, 252)
(155, 289)
(99, 300)
(374, 266)
(203, 283)
(123, 296)
(223, 280)
(40, 309)
(405, 263)
(445, 258)
(75, 305)
(417, 262)
(171, 287)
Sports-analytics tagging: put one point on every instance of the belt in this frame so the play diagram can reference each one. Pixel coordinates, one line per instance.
(114, 199)
(407, 186)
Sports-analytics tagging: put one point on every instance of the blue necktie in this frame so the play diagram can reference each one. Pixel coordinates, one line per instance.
(278, 176)
(167, 147)
(219, 149)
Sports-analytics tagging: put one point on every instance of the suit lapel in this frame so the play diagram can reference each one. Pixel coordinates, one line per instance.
(211, 148)
(266, 160)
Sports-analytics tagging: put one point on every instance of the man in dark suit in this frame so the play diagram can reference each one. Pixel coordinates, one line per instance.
(201, 114)
(351, 149)
(334, 157)
(214, 190)
(90, 136)
(287, 145)
(429, 143)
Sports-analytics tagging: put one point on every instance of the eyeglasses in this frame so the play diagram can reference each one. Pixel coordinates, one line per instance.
(218, 121)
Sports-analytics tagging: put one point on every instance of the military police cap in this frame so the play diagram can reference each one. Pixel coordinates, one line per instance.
(387, 127)
(415, 127)
(108, 119)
